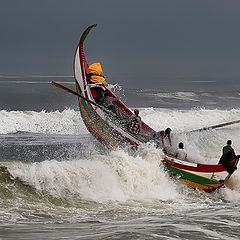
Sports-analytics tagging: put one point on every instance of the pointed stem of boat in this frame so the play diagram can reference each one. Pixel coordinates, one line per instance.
(58, 85)
(215, 126)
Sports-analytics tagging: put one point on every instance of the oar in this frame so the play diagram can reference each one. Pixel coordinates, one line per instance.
(77, 94)
(215, 126)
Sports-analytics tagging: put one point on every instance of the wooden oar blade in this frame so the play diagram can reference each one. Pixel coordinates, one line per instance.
(58, 85)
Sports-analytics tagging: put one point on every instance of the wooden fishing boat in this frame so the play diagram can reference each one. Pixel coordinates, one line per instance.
(109, 128)
(197, 176)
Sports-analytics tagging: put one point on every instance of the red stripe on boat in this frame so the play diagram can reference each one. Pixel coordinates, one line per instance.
(199, 168)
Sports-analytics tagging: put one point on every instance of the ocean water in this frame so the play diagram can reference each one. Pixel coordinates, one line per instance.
(58, 182)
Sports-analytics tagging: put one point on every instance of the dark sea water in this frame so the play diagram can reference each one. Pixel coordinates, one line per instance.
(58, 182)
(36, 93)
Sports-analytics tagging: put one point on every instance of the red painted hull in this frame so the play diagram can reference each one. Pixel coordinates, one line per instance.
(99, 125)
(197, 176)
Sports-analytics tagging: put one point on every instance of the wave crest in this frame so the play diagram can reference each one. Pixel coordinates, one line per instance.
(66, 122)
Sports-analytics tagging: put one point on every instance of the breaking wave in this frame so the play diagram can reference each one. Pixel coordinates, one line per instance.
(116, 175)
(201, 146)
(69, 121)
(100, 178)
(65, 122)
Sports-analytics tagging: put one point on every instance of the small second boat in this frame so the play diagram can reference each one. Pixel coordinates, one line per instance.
(197, 176)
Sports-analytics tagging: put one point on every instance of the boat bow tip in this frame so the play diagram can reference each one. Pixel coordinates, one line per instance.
(85, 33)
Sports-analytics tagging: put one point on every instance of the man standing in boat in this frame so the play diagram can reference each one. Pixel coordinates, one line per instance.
(167, 142)
(228, 154)
(162, 140)
(166, 137)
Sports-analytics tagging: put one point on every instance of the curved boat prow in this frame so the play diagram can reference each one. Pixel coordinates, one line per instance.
(86, 32)
(80, 61)
(81, 41)
(105, 125)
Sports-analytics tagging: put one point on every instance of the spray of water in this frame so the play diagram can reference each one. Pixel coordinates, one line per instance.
(116, 176)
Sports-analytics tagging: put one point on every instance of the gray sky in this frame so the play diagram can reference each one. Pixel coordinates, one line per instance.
(135, 40)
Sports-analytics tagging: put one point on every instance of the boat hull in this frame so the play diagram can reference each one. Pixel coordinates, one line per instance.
(197, 176)
(99, 124)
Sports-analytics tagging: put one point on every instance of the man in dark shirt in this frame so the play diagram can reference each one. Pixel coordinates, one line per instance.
(227, 156)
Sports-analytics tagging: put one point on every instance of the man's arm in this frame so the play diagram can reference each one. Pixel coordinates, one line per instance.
(169, 139)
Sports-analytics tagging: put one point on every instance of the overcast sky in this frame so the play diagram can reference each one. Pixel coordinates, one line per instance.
(144, 40)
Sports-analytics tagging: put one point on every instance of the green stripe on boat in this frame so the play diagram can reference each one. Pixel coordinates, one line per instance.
(190, 176)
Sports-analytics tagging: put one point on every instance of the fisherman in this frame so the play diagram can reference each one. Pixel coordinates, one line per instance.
(167, 136)
(228, 154)
(181, 152)
(98, 83)
(98, 94)
(158, 139)
(167, 142)
(162, 140)
(109, 102)
(134, 122)
(94, 74)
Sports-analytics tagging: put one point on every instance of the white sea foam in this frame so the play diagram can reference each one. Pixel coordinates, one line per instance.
(201, 144)
(117, 176)
(65, 122)
(187, 96)
(69, 121)
(114, 177)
